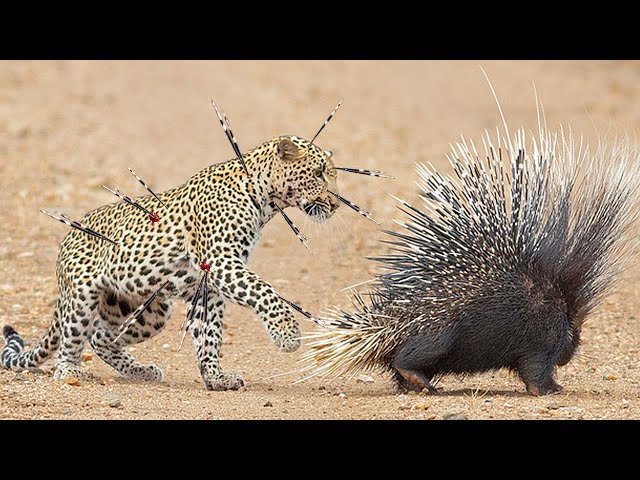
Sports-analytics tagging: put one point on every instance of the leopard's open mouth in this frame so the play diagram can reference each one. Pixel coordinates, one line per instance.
(318, 210)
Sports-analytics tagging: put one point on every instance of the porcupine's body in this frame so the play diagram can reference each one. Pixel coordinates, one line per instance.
(500, 271)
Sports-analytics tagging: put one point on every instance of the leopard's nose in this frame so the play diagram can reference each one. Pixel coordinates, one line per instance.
(334, 203)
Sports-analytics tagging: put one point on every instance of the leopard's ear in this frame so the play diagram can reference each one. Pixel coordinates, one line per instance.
(287, 151)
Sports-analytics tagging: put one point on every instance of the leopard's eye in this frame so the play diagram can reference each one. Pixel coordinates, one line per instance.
(317, 173)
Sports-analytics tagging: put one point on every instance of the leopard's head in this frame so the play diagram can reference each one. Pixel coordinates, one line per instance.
(308, 176)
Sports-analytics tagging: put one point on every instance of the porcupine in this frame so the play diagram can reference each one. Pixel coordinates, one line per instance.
(500, 271)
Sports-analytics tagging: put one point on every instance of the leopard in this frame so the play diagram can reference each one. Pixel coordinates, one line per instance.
(217, 217)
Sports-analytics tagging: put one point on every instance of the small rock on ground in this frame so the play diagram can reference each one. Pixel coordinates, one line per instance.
(454, 416)
(362, 378)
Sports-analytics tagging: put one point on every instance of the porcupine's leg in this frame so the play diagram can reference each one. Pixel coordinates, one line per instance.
(414, 380)
(208, 348)
(536, 371)
(414, 362)
(546, 340)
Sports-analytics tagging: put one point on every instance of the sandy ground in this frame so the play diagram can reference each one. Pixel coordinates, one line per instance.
(68, 127)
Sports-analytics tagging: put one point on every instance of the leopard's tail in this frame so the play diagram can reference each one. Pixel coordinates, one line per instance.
(13, 355)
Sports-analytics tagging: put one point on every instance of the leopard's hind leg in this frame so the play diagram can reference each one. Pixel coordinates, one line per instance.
(113, 312)
(77, 306)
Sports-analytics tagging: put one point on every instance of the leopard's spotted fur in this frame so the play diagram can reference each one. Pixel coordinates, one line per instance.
(217, 216)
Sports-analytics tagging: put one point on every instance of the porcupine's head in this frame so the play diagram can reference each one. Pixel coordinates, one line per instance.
(308, 174)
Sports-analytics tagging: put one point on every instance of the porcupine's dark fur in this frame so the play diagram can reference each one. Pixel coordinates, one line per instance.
(499, 271)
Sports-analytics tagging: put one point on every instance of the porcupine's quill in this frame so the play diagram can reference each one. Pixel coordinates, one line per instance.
(327, 120)
(203, 312)
(298, 308)
(224, 121)
(355, 207)
(191, 310)
(360, 171)
(295, 229)
(61, 217)
(152, 216)
(147, 187)
(138, 312)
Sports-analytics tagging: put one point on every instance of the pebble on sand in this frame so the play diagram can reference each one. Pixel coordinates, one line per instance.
(363, 378)
(454, 416)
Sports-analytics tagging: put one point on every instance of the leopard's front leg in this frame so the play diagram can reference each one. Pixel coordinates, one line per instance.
(207, 346)
(237, 283)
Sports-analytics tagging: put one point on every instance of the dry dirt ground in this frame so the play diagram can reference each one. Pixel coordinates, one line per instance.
(68, 127)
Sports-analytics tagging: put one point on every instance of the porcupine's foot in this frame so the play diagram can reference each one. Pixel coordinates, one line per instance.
(414, 380)
(65, 370)
(537, 374)
(413, 363)
(548, 388)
